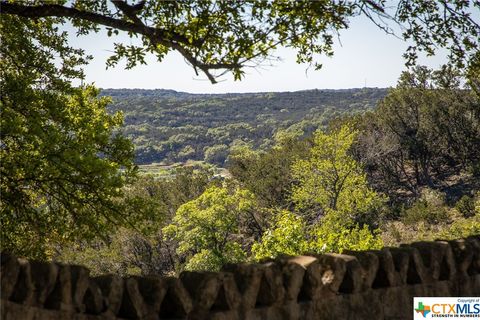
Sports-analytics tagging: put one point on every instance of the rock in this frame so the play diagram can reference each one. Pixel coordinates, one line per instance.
(369, 263)
(93, 299)
(24, 289)
(44, 278)
(133, 306)
(247, 279)
(332, 270)
(462, 254)
(153, 291)
(177, 302)
(293, 270)
(61, 297)
(80, 279)
(112, 288)
(387, 274)
(9, 271)
(437, 259)
(271, 291)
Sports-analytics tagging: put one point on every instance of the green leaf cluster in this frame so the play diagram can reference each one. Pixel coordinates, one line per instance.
(62, 166)
(208, 228)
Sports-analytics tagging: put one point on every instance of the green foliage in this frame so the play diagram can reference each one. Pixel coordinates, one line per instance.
(291, 235)
(462, 228)
(330, 180)
(466, 206)
(219, 37)
(426, 212)
(426, 128)
(62, 165)
(142, 251)
(209, 260)
(288, 236)
(209, 127)
(336, 234)
(268, 174)
(216, 154)
(209, 227)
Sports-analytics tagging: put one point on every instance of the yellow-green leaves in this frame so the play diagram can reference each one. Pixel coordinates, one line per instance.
(330, 179)
(287, 236)
(208, 228)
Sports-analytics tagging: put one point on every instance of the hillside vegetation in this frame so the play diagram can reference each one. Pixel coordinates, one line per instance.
(170, 126)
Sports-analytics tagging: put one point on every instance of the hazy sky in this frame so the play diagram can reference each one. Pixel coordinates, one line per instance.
(366, 55)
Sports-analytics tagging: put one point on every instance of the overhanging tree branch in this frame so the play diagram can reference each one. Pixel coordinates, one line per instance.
(156, 36)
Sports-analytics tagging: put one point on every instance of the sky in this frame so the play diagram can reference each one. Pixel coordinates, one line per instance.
(366, 56)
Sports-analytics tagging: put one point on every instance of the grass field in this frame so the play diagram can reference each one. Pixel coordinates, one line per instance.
(162, 170)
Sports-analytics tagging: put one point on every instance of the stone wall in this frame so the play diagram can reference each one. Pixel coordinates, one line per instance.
(354, 285)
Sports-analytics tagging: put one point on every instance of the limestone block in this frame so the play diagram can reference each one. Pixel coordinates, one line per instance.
(387, 274)
(332, 269)
(133, 306)
(474, 242)
(463, 255)
(293, 270)
(369, 263)
(397, 303)
(93, 299)
(261, 313)
(153, 291)
(437, 259)
(177, 302)
(44, 278)
(9, 271)
(61, 297)
(271, 291)
(224, 315)
(203, 288)
(247, 279)
(80, 279)
(211, 293)
(24, 289)
(409, 265)
(291, 311)
(228, 297)
(112, 288)
(11, 310)
(364, 305)
(312, 285)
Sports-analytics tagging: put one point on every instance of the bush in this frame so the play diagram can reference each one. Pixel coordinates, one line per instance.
(288, 236)
(334, 235)
(423, 211)
(466, 206)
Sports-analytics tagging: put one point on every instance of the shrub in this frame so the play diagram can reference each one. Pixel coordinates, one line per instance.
(466, 206)
(423, 211)
(288, 236)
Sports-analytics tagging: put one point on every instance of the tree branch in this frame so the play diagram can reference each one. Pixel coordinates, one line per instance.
(156, 36)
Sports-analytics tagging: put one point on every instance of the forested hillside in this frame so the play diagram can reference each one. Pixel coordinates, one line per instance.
(171, 126)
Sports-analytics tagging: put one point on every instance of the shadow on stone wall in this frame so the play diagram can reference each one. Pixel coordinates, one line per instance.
(354, 285)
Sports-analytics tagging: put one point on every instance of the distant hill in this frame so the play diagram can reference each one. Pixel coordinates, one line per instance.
(170, 126)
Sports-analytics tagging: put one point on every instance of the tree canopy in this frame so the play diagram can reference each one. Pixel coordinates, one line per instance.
(62, 165)
(208, 228)
(427, 128)
(216, 37)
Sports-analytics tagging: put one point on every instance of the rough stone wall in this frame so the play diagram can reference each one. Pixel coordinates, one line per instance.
(354, 285)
